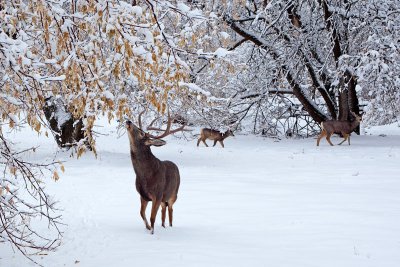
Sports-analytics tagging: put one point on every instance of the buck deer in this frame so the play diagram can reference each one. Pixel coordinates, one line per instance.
(213, 135)
(343, 127)
(157, 181)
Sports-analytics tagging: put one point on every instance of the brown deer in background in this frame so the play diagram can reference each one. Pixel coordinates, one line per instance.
(343, 127)
(206, 133)
(157, 181)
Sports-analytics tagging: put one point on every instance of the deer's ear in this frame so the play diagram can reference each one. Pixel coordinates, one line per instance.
(154, 142)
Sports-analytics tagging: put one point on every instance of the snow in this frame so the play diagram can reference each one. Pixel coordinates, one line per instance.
(56, 78)
(179, 61)
(256, 202)
(182, 7)
(221, 52)
(148, 36)
(67, 24)
(137, 10)
(140, 51)
(62, 116)
(51, 61)
(194, 88)
(224, 35)
(107, 94)
(195, 14)
(10, 99)
(110, 27)
(67, 60)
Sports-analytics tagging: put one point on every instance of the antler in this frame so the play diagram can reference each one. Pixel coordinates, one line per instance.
(167, 131)
(140, 119)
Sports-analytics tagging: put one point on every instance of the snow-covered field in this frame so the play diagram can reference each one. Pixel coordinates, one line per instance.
(258, 202)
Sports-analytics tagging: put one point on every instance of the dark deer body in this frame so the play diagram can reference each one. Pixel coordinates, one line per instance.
(214, 135)
(156, 181)
(341, 127)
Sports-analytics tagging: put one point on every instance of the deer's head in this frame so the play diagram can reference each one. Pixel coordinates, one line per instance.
(229, 133)
(139, 138)
(357, 118)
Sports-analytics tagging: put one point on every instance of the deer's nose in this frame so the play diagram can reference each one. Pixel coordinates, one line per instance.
(128, 124)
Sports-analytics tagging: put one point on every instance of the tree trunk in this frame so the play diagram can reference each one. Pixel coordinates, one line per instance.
(67, 131)
(353, 99)
(343, 105)
(304, 100)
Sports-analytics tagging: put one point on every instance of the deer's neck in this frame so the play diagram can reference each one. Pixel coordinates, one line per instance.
(142, 155)
(144, 161)
(354, 124)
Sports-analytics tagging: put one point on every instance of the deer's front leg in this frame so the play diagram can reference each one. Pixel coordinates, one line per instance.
(204, 141)
(143, 205)
(345, 136)
(344, 139)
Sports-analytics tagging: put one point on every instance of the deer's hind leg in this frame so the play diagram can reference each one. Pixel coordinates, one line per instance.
(328, 138)
(143, 206)
(170, 203)
(322, 134)
(163, 213)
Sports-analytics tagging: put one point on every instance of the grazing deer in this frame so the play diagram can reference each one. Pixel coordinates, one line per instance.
(343, 127)
(213, 135)
(157, 181)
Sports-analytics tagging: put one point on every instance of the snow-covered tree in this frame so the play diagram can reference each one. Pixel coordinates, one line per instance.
(332, 56)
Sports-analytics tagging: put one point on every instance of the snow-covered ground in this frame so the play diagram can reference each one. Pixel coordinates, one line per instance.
(257, 202)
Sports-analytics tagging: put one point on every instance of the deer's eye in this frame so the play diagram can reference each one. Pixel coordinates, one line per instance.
(142, 133)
